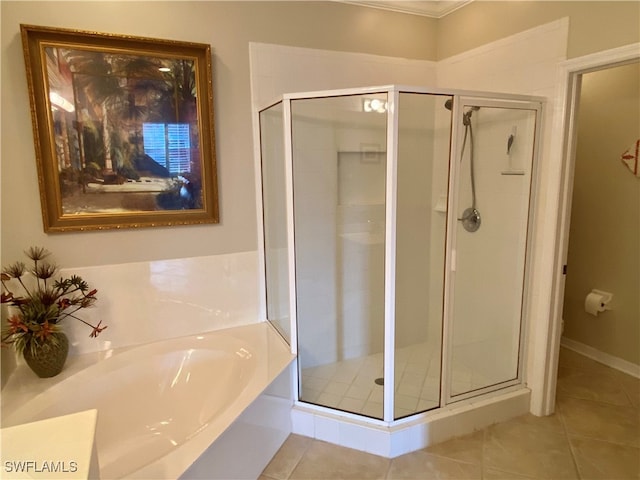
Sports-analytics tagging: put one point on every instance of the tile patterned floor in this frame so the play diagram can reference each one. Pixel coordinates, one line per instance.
(350, 385)
(594, 434)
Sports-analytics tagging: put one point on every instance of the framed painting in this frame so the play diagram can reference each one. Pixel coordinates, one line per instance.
(123, 129)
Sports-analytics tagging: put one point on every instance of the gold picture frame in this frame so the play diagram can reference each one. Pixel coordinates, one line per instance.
(123, 129)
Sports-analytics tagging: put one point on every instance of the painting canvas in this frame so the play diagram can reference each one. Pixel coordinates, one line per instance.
(124, 129)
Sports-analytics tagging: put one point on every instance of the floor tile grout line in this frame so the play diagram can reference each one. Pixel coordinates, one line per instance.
(568, 439)
(598, 439)
(482, 451)
(388, 472)
(614, 376)
(300, 459)
(600, 403)
(623, 387)
(270, 477)
(603, 402)
(439, 455)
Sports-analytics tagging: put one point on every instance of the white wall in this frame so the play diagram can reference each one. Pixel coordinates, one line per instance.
(361, 224)
(279, 69)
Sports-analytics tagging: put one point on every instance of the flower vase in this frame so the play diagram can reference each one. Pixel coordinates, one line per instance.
(47, 359)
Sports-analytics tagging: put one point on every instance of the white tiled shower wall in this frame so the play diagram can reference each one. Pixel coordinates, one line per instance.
(524, 63)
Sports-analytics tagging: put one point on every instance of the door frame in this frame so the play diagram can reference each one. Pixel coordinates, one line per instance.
(570, 78)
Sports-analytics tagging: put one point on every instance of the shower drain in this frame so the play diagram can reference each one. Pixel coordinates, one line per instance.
(379, 381)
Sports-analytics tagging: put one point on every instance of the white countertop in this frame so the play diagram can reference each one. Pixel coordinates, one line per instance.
(60, 447)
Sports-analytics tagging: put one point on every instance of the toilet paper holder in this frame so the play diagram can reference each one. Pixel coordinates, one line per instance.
(597, 301)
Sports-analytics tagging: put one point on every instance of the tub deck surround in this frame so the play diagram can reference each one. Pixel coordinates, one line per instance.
(159, 405)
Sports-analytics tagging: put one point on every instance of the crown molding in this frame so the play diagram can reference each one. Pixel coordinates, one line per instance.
(432, 9)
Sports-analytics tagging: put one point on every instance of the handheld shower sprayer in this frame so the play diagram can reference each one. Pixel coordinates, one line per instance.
(466, 117)
(471, 216)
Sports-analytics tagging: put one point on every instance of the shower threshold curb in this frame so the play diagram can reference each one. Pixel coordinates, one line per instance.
(409, 434)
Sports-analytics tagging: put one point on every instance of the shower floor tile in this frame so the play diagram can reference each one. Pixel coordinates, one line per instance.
(350, 385)
(417, 377)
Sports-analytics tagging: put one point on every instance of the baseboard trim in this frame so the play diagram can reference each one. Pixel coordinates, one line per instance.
(602, 357)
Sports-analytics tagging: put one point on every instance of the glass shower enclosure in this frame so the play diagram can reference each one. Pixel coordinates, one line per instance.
(395, 225)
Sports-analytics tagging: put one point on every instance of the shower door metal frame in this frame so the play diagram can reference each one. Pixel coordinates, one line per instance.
(288, 149)
(459, 104)
(391, 185)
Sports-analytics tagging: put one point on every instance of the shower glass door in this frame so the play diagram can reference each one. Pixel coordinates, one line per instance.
(424, 139)
(274, 214)
(339, 166)
(494, 163)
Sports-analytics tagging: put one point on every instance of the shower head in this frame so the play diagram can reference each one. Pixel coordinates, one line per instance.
(449, 105)
(466, 117)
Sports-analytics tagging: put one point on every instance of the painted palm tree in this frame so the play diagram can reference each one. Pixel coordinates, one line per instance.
(109, 86)
(92, 75)
(180, 104)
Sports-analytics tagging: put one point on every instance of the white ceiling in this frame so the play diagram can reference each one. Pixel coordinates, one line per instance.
(433, 8)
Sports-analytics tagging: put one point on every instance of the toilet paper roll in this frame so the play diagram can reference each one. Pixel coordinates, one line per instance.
(596, 302)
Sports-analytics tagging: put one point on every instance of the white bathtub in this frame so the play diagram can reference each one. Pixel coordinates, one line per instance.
(161, 405)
